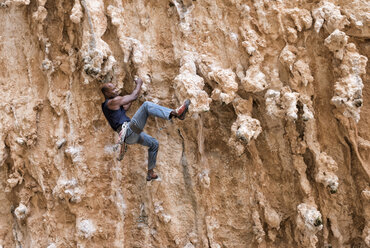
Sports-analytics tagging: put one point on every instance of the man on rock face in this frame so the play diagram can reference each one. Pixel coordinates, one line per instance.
(115, 107)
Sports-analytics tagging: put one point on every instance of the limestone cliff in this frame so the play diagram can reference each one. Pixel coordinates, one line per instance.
(275, 151)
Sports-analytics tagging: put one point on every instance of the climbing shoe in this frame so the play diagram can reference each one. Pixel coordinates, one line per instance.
(182, 110)
(151, 176)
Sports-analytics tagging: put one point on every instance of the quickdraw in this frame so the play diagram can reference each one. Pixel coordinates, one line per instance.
(121, 141)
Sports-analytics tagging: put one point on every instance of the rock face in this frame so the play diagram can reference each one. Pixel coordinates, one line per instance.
(275, 151)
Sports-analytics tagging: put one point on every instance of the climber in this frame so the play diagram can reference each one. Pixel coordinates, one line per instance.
(115, 107)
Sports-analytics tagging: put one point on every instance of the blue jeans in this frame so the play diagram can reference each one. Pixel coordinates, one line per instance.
(139, 119)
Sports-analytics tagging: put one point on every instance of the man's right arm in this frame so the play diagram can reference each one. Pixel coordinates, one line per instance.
(127, 99)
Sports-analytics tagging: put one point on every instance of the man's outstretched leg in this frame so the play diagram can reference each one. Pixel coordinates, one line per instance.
(149, 108)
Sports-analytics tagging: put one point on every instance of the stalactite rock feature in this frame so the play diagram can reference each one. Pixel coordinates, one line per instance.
(258, 228)
(3, 153)
(336, 42)
(77, 14)
(296, 20)
(272, 218)
(86, 228)
(365, 194)
(301, 17)
(245, 128)
(97, 56)
(298, 63)
(254, 79)
(131, 47)
(16, 2)
(273, 103)
(21, 212)
(358, 16)
(68, 190)
(348, 89)
(309, 222)
(227, 86)
(289, 103)
(212, 224)
(251, 40)
(329, 16)
(326, 172)
(188, 85)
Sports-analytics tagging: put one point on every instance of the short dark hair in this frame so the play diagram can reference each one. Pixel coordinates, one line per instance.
(104, 89)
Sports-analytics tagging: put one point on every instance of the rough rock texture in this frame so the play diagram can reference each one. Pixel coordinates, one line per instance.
(274, 153)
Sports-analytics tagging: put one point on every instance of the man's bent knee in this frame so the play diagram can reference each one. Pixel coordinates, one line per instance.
(155, 144)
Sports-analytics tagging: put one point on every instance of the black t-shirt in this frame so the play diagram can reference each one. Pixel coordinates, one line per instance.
(115, 117)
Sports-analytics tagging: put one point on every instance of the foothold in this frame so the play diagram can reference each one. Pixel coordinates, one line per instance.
(85, 228)
(60, 143)
(159, 210)
(307, 113)
(52, 245)
(75, 153)
(333, 191)
(357, 103)
(68, 190)
(47, 65)
(366, 194)
(258, 227)
(13, 180)
(333, 188)
(204, 178)
(272, 217)
(189, 245)
(21, 212)
(20, 141)
(326, 172)
(318, 222)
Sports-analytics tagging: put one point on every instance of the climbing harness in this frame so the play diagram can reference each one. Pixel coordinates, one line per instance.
(121, 141)
(135, 128)
(122, 134)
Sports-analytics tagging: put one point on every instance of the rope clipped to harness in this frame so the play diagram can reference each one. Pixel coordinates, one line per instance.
(121, 141)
